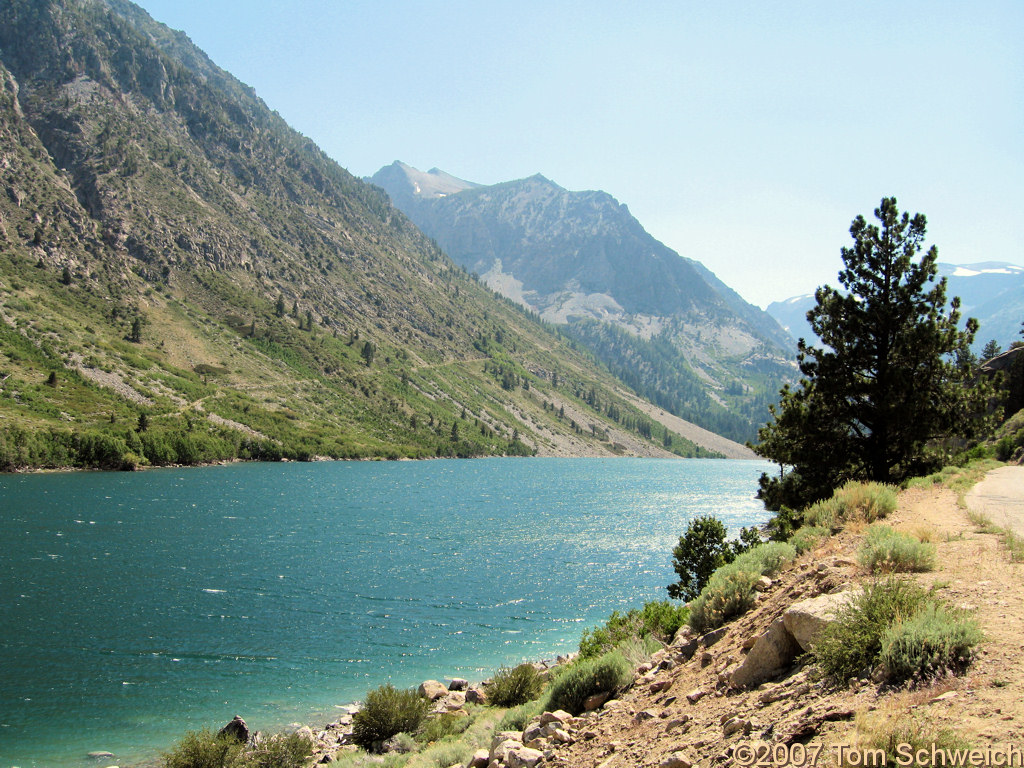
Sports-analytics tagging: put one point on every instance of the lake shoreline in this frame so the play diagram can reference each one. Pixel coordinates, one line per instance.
(303, 586)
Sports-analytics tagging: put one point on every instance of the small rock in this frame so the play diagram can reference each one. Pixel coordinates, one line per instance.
(458, 684)
(695, 695)
(706, 658)
(676, 760)
(480, 759)
(763, 584)
(736, 725)
(502, 750)
(476, 695)
(561, 736)
(533, 732)
(524, 757)
(455, 700)
(559, 716)
(596, 701)
(944, 696)
(100, 754)
(644, 714)
(679, 722)
(660, 685)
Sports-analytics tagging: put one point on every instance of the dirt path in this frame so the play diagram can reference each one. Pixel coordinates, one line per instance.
(1000, 497)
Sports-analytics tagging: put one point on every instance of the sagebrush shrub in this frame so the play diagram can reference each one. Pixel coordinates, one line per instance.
(886, 550)
(387, 711)
(437, 728)
(934, 641)
(854, 501)
(512, 687)
(517, 718)
(586, 677)
(851, 645)
(730, 590)
(807, 537)
(202, 749)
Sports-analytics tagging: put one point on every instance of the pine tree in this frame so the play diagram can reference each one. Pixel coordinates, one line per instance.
(368, 353)
(889, 377)
(991, 350)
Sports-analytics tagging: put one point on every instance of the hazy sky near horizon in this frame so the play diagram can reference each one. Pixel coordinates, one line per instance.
(746, 135)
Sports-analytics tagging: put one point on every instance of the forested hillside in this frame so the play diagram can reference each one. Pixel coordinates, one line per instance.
(185, 278)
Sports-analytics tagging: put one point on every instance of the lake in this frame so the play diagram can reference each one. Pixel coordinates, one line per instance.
(136, 606)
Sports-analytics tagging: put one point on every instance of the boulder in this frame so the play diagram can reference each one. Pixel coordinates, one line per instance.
(773, 652)
(476, 695)
(236, 729)
(504, 748)
(805, 619)
(480, 759)
(458, 684)
(524, 757)
(455, 700)
(559, 716)
(432, 690)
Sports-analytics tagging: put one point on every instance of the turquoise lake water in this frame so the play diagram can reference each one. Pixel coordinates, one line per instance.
(136, 606)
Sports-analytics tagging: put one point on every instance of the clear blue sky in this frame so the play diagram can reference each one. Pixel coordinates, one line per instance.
(744, 135)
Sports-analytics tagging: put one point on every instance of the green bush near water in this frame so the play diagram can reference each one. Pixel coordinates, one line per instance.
(605, 674)
(730, 590)
(512, 687)
(206, 749)
(658, 619)
(387, 711)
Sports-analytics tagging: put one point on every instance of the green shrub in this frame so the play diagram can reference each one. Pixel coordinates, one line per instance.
(387, 711)
(586, 677)
(447, 755)
(851, 645)
(934, 641)
(808, 537)
(729, 593)
(637, 650)
(703, 549)
(730, 590)
(854, 501)
(512, 687)
(437, 728)
(768, 558)
(517, 718)
(202, 749)
(278, 751)
(886, 550)
(660, 619)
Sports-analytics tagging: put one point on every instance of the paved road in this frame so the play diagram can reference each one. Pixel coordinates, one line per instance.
(1000, 496)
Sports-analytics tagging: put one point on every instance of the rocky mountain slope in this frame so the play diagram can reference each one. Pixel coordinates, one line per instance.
(992, 292)
(580, 259)
(183, 277)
